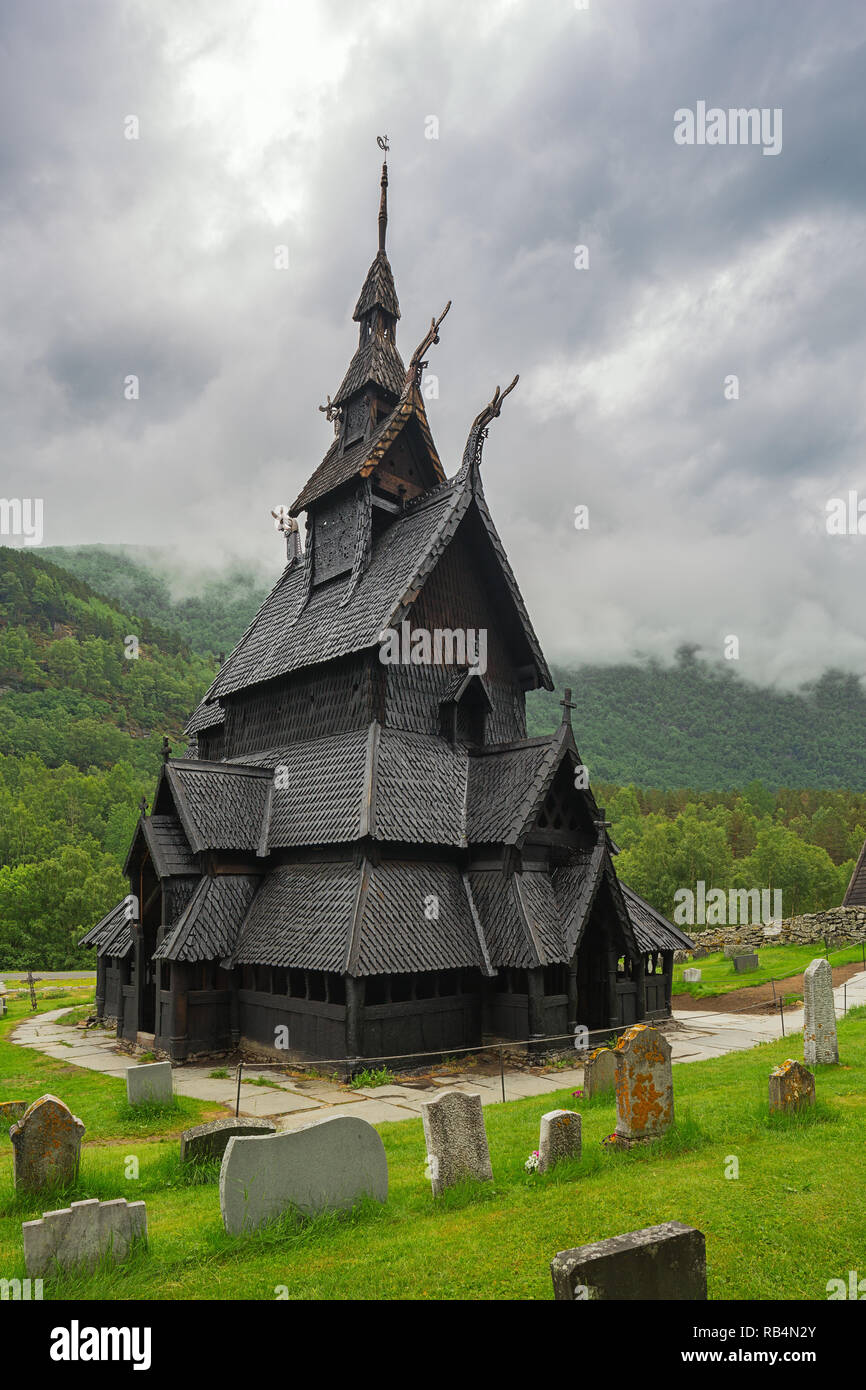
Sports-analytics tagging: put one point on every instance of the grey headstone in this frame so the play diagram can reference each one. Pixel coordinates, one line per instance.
(209, 1141)
(327, 1165)
(599, 1072)
(743, 965)
(772, 931)
(792, 1087)
(456, 1140)
(820, 1044)
(560, 1138)
(644, 1085)
(82, 1234)
(691, 977)
(3, 989)
(2, 1006)
(731, 951)
(666, 1263)
(149, 1084)
(46, 1144)
(699, 952)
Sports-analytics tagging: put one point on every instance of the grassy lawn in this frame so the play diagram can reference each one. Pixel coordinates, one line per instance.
(792, 1219)
(774, 963)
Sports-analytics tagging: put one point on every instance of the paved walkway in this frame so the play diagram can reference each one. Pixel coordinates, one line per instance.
(290, 1101)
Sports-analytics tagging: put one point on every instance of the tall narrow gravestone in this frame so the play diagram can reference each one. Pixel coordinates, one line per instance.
(792, 1088)
(644, 1086)
(819, 1021)
(456, 1140)
(46, 1145)
(559, 1139)
(599, 1072)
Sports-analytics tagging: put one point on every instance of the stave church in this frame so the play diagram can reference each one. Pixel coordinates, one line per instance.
(362, 855)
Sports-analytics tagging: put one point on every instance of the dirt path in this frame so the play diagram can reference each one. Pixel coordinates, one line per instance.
(758, 999)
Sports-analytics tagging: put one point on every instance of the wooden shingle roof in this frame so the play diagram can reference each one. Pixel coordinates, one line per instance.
(208, 927)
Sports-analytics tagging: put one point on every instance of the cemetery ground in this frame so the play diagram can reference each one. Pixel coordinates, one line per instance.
(779, 963)
(793, 1219)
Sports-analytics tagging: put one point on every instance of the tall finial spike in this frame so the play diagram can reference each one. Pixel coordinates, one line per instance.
(384, 145)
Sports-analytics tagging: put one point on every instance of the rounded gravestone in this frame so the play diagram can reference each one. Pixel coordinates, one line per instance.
(46, 1145)
(328, 1165)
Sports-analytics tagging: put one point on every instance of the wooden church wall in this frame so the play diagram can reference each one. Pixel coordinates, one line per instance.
(329, 699)
(455, 597)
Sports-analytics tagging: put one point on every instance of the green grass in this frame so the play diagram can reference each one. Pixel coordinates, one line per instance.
(788, 1224)
(379, 1076)
(774, 963)
(100, 1101)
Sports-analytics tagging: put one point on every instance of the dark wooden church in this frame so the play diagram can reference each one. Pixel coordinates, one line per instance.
(370, 852)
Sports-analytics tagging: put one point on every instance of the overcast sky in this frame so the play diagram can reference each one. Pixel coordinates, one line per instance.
(257, 128)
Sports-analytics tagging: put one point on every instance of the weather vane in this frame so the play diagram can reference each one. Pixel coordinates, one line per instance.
(384, 144)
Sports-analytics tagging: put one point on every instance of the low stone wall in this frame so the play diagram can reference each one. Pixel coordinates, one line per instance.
(837, 926)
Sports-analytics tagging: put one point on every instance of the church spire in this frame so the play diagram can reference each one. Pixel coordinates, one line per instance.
(384, 145)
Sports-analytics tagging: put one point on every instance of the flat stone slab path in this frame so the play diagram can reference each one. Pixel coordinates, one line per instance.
(291, 1101)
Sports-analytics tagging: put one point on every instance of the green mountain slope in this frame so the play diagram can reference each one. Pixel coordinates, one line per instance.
(702, 726)
(211, 619)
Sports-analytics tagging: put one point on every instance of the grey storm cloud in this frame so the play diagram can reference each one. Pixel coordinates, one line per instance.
(156, 257)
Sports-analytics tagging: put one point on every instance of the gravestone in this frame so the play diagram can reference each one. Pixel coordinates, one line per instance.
(662, 1263)
(792, 1088)
(743, 965)
(149, 1084)
(12, 1110)
(599, 1072)
(699, 952)
(772, 931)
(731, 951)
(691, 977)
(2, 986)
(327, 1165)
(47, 1144)
(83, 1234)
(209, 1141)
(560, 1138)
(820, 1044)
(2, 1006)
(644, 1086)
(456, 1140)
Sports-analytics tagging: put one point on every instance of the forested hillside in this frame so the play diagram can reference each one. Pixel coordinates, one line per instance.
(81, 725)
(82, 721)
(209, 620)
(697, 725)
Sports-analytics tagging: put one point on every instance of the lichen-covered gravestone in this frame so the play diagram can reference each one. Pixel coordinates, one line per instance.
(149, 1084)
(663, 1263)
(559, 1139)
(599, 1072)
(691, 977)
(792, 1088)
(83, 1234)
(327, 1165)
(820, 1044)
(456, 1140)
(46, 1144)
(210, 1141)
(744, 965)
(644, 1086)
